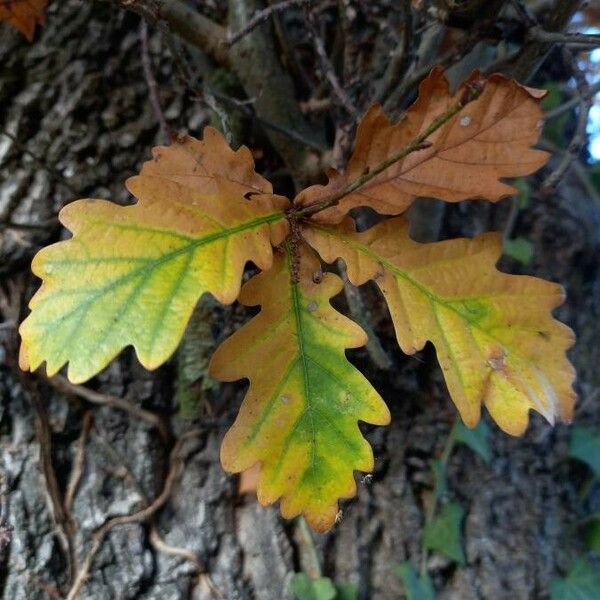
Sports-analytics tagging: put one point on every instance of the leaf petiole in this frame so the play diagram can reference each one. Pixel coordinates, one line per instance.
(472, 92)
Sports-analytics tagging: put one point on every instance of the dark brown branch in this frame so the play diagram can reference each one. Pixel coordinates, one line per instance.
(578, 39)
(166, 129)
(327, 67)
(69, 389)
(260, 17)
(534, 51)
(400, 58)
(142, 516)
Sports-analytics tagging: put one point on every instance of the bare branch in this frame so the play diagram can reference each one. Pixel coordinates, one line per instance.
(327, 67)
(69, 389)
(586, 100)
(166, 129)
(260, 17)
(577, 39)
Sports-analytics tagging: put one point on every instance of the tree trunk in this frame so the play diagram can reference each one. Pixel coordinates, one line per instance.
(75, 106)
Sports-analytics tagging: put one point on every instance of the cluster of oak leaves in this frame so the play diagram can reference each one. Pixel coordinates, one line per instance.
(132, 276)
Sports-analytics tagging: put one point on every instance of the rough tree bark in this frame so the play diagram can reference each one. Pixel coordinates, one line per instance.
(74, 122)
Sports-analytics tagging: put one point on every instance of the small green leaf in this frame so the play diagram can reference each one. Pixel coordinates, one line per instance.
(415, 587)
(581, 583)
(524, 197)
(345, 591)
(443, 533)
(592, 535)
(305, 588)
(585, 446)
(476, 439)
(520, 249)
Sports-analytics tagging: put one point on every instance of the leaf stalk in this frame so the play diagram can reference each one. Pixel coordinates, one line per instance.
(471, 93)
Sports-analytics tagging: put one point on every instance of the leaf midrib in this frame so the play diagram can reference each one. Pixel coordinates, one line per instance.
(433, 299)
(152, 264)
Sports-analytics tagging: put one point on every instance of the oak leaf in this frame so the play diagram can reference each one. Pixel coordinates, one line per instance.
(24, 15)
(488, 139)
(132, 275)
(494, 334)
(299, 417)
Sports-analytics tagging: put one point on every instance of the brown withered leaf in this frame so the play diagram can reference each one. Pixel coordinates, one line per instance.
(489, 139)
(24, 15)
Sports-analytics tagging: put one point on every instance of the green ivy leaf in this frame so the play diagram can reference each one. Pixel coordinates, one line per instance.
(443, 533)
(476, 439)
(415, 587)
(592, 535)
(305, 588)
(524, 197)
(585, 446)
(520, 249)
(345, 591)
(581, 583)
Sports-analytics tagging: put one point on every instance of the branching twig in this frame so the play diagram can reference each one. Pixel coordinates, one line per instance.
(327, 67)
(400, 58)
(39, 161)
(166, 129)
(77, 470)
(161, 546)
(260, 17)
(69, 389)
(579, 137)
(358, 310)
(573, 102)
(419, 143)
(142, 516)
(578, 39)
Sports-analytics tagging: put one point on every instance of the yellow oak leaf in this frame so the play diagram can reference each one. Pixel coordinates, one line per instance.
(488, 139)
(24, 15)
(494, 334)
(299, 418)
(131, 275)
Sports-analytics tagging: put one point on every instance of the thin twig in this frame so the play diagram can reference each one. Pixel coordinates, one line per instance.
(359, 313)
(65, 527)
(419, 143)
(260, 17)
(53, 222)
(579, 137)
(399, 59)
(69, 389)
(161, 546)
(166, 129)
(327, 67)
(573, 102)
(189, 81)
(39, 161)
(579, 39)
(77, 470)
(175, 468)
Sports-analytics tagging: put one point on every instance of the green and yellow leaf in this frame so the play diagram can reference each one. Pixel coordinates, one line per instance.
(494, 334)
(132, 275)
(299, 419)
(488, 139)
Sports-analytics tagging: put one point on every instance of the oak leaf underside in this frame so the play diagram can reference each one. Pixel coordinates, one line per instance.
(494, 334)
(24, 15)
(489, 139)
(299, 417)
